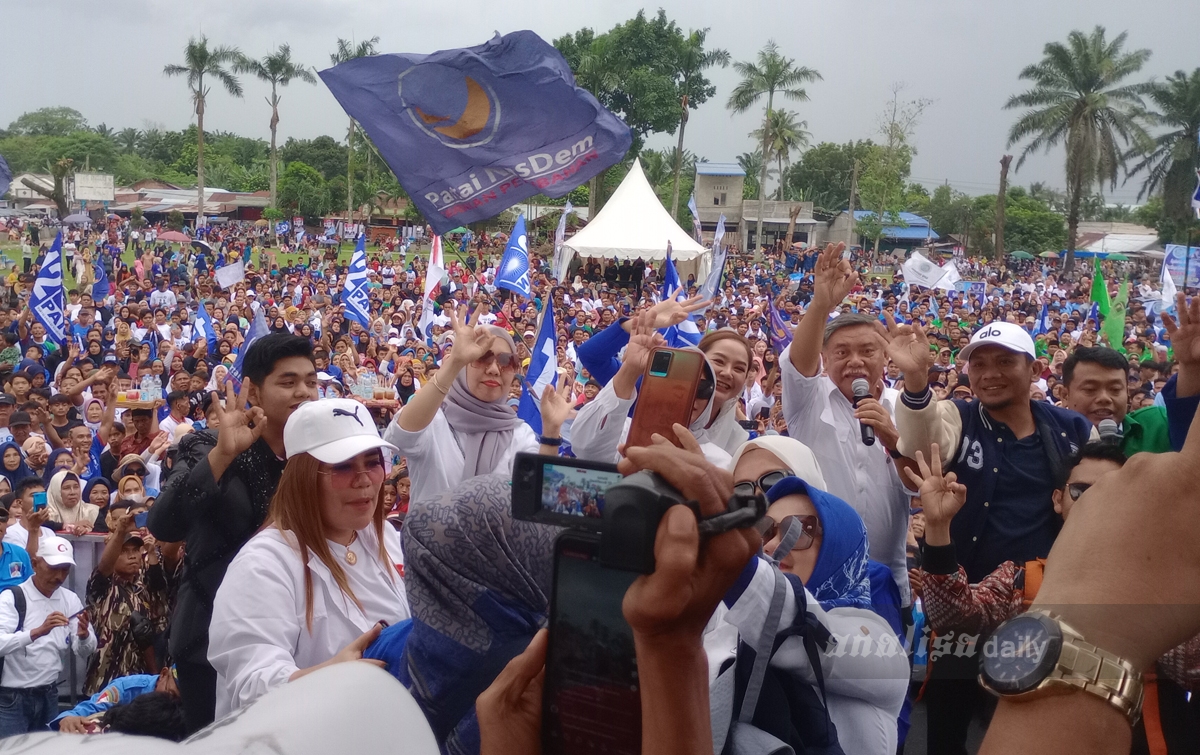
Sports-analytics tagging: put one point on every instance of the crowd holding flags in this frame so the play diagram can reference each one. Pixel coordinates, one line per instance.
(46, 301)
(258, 329)
(686, 333)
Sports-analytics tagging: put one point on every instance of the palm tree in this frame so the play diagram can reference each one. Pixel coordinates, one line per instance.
(1171, 159)
(200, 61)
(1077, 99)
(127, 139)
(773, 73)
(599, 73)
(784, 134)
(277, 69)
(105, 130)
(753, 165)
(689, 67)
(347, 50)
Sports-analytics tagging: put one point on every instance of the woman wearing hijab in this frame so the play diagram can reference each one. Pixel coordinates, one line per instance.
(216, 382)
(65, 504)
(459, 425)
(406, 385)
(93, 414)
(59, 459)
(12, 464)
(479, 585)
(603, 423)
(98, 492)
(314, 585)
(826, 566)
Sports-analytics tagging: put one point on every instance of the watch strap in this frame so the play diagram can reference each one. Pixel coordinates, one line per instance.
(543, 440)
(1082, 665)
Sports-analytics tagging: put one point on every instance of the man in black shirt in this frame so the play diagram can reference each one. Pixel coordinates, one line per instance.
(218, 496)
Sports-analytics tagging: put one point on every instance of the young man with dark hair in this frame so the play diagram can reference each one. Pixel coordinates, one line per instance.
(1097, 387)
(218, 497)
(180, 406)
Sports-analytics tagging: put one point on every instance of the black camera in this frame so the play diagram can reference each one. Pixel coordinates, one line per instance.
(625, 511)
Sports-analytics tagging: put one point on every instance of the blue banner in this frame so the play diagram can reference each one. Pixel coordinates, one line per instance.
(101, 288)
(543, 371)
(358, 305)
(5, 176)
(514, 266)
(46, 300)
(474, 131)
(781, 331)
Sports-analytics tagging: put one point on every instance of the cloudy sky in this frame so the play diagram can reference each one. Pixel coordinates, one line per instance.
(106, 60)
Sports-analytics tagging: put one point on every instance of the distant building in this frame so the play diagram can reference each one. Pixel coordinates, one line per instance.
(719, 188)
(912, 231)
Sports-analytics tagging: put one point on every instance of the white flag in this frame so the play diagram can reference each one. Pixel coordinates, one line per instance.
(1168, 289)
(433, 279)
(231, 275)
(562, 258)
(919, 271)
(949, 277)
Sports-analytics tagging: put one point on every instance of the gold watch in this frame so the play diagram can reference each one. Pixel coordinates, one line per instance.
(1037, 655)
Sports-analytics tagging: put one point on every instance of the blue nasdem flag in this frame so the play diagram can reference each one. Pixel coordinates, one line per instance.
(474, 131)
(5, 176)
(781, 331)
(204, 327)
(258, 329)
(543, 370)
(101, 287)
(358, 305)
(514, 266)
(46, 300)
(1094, 316)
(1043, 321)
(686, 333)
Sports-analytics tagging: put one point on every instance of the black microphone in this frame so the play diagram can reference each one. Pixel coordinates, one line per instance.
(862, 389)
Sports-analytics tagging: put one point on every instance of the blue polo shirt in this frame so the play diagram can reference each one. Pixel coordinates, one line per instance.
(15, 567)
(119, 692)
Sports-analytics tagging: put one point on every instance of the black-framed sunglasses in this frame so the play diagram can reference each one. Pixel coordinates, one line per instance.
(504, 361)
(764, 483)
(1076, 489)
(810, 527)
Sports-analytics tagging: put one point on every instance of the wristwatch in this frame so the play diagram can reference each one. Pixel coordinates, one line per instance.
(1036, 655)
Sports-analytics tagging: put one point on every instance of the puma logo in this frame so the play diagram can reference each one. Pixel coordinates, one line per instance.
(353, 416)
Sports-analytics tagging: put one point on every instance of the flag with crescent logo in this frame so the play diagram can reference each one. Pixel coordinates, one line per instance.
(474, 131)
(514, 266)
(781, 330)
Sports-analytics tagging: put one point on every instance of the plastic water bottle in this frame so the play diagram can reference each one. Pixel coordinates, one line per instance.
(366, 384)
(146, 388)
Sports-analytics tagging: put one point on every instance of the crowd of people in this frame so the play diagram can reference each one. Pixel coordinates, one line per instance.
(336, 491)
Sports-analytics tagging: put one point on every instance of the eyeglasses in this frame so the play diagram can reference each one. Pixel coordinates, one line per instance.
(810, 527)
(1077, 489)
(503, 361)
(764, 483)
(343, 475)
(136, 471)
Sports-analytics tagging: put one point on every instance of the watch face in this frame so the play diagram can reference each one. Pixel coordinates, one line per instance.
(1021, 653)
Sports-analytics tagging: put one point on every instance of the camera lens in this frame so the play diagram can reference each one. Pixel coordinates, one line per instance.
(661, 364)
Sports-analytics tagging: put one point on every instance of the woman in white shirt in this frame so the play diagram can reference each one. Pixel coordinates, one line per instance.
(459, 425)
(316, 584)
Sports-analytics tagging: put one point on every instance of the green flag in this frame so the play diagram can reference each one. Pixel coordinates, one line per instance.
(1114, 321)
(1100, 290)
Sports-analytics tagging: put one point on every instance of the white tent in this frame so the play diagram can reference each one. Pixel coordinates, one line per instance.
(634, 224)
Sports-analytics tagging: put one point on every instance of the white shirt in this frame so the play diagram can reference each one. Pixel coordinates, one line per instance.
(169, 424)
(19, 536)
(865, 668)
(258, 637)
(820, 417)
(34, 663)
(435, 457)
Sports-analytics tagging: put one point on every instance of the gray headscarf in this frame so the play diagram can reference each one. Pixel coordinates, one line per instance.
(479, 585)
(484, 429)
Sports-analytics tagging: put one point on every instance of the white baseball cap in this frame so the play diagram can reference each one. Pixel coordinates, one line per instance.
(1006, 335)
(56, 551)
(333, 430)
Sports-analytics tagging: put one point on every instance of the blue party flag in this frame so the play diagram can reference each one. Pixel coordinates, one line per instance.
(514, 266)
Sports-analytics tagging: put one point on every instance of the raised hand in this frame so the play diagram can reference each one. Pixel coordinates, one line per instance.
(555, 410)
(240, 426)
(670, 312)
(643, 339)
(470, 342)
(1185, 341)
(908, 348)
(832, 277)
(941, 496)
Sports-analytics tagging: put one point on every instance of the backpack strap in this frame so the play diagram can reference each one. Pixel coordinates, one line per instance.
(764, 648)
(1034, 571)
(18, 603)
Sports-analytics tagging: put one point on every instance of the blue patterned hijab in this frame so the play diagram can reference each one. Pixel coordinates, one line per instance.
(841, 577)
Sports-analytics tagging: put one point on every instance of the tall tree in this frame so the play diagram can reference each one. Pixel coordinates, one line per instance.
(277, 69)
(127, 140)
(784, 134)
(200, 61)
(772, 73)
(1170, 160)
(347, 50)
(692, 59)
(1078, 99)
(753, 165)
